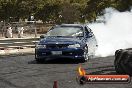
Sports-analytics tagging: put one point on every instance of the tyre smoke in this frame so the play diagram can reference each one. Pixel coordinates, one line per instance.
(114, 33)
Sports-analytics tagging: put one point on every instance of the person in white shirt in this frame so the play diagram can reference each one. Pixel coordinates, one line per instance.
(9, 32)
(20, 32)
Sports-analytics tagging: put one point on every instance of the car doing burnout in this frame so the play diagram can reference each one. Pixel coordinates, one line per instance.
(73, 41)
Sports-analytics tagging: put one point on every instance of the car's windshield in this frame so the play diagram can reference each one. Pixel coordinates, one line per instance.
(66, 31)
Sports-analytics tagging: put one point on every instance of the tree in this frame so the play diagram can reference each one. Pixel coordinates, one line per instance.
(19, 8)
(95, 8)
(49, 12)
(58, 11)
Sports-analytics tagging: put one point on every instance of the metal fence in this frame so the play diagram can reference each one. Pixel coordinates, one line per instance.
(30, 28)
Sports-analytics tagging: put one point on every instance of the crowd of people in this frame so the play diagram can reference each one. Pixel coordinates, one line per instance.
(9, 33)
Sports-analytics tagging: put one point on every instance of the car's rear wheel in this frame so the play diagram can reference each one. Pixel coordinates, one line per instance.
(86, 57)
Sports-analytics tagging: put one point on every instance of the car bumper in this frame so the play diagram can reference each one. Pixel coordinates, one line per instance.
(66, 53)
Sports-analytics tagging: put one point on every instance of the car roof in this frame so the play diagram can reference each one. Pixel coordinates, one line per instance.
(78, 25)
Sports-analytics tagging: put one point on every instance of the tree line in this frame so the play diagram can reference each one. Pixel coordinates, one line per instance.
(59, 11)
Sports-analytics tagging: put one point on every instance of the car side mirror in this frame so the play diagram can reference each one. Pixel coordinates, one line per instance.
(89, 35)
(42, 36)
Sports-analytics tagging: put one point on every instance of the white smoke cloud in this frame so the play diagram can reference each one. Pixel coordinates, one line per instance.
(115, 33)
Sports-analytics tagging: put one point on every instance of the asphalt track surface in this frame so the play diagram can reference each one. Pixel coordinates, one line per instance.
(25, 72)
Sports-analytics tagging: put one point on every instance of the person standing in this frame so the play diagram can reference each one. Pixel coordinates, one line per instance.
(8, 32)
(20, 32)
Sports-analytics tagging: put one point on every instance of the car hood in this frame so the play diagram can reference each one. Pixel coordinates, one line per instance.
(60, 40)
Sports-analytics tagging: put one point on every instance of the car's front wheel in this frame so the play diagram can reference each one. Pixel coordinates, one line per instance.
(38, 59)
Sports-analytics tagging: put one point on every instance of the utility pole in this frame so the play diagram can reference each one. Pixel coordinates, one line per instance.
(35, 29)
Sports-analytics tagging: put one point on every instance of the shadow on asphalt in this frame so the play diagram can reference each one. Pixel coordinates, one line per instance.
(57, 61)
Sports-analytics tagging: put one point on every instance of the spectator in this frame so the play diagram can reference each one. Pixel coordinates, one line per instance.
(20, 32)
(8, 33)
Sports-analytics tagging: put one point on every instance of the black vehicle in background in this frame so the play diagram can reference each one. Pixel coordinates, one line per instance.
(123, 61)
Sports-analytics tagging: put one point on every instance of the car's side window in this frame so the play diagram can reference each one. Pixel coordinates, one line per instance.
(86, 32)
(89, 32)
(88, 29)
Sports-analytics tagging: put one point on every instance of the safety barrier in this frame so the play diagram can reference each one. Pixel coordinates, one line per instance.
(17, 45)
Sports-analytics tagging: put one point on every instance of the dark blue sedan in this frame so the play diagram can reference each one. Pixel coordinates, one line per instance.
(73, 41)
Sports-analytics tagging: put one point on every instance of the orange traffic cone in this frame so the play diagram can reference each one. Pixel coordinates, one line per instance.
(55, 84)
